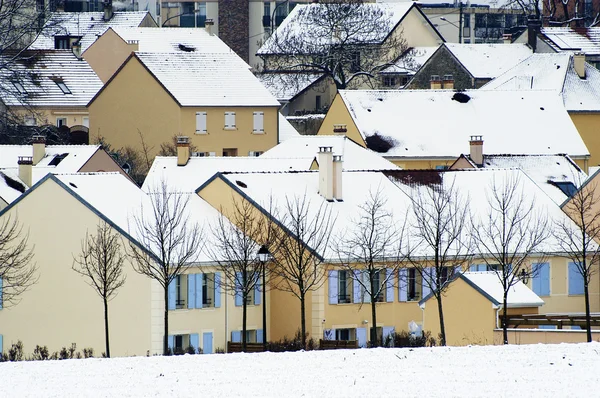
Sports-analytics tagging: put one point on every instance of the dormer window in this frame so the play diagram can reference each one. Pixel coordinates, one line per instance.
(63, 87)
(20, 88)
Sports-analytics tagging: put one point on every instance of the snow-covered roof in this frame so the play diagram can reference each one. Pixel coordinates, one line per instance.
(411, 61)
(486, 61)
(11, 187)
(201, 79)
(286, 130)
(73, 156)
(300, 22)
(586, 40)
(533, 122)
(553, 71)
(52, 78)
(285, 86)
(489, 283)
(88, 25)
(306, 147)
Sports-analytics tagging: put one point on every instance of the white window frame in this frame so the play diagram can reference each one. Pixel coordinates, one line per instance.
(201, 123)
(258, 122)
(59, 124)
(230, 123)
(86, 121)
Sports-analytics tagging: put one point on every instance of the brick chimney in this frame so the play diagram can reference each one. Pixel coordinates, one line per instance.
(25, 169)
(39, 148)
(338, 164)
(183, 150)
(476, 152)
(339, 129)
(579, 64)
(208, 26)
(325, 158)
(108, 10)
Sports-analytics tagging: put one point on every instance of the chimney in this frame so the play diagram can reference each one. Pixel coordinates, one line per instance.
(108, 10)
(25, 169)
(579, 64)
(337, 177)
(208, 25)
(507, 38)
(476, 144)
(39, 148)
(533, 29)
(183, 150)
(76, 48)
(326, 172)
(339, 129)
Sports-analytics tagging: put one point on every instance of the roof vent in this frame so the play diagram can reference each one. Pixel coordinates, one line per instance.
(187, 49)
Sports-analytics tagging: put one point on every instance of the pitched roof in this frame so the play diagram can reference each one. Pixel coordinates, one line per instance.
(532, 122)
(72, 157)
(196, 79)
(553, 71)
(488, 60)
(285, 86)
(41, 75)
(306, 148)
(88, 25)
(586, 40)
(286, 130)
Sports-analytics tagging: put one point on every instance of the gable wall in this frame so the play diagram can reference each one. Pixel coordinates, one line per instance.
(107, 54)
(338, 114)
(442, 63)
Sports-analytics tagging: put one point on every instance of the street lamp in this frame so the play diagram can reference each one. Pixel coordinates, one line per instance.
(263, 257)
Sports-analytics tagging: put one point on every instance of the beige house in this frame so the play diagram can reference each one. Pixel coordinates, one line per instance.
(211, 98)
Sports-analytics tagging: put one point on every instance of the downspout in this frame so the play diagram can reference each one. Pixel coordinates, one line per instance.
(226, 318)
(422, 307)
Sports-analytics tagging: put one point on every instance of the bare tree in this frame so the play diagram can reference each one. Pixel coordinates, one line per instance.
(578, 238)
(171, 241)
(298, 246)
(237, 238)
(512, 231)
(101, 263)
(574, 13)
(439, 243)
(17, 269)
(371, 252)
(343, 40)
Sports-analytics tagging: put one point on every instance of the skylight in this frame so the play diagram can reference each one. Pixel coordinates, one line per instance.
(567, 187)
(62, 86)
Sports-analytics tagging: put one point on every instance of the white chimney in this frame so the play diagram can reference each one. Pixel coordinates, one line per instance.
(476, 152)
(39, 148)
(579, 64)
(326, 172)
(25, 169)
(183, 150)
(338, 164)
(208, 25)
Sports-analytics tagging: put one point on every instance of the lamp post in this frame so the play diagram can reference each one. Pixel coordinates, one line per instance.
(264, 256)
(460, 18)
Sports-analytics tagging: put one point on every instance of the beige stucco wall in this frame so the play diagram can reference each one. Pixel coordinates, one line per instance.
(101, 161)
(61, 308)
(544, 336)
(588, 125)
(107, 54)
(48, 115)
(338, 114)
(416, 31)
(307, 100)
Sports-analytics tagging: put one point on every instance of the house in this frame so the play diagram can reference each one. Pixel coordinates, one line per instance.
(405, 67)
(211, 98)
(112, 48)
(202, 315)
(467, 66)
(22, 166)
(400, 125)
(50, 87)
(571, 77)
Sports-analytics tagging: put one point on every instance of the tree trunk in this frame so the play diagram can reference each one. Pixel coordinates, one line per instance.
(374, 342)
(504, 321)
(166, 331)
(244, 318)
(302, 319)
(106, 328)
(442, 324)
(587, 311)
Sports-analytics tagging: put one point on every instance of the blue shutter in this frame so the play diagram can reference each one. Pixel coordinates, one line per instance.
(238, 290)
(389, 286)
(172, 296)
(333, 287)
(402, 285)
(541, 279)
(575, 280)
(547, 327)
(236, 336)
(259, 336)
(195, 341)
(387, 330)
(356, 287)
(207, 342)
(433, 275)
(257, 291)
(1, 348)
(361, 336)
(473, 268)
(191, 291)
(424, 282)
(367, 282)
(199, 295)
(171, 342)
(217, 290)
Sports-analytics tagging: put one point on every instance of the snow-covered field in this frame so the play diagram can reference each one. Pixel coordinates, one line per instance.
(492, 371)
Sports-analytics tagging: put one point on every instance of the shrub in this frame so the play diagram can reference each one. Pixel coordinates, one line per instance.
(40, 353)
(294, 344)
(219, 350)
(404, 339)
(88, 352)
(15, 352)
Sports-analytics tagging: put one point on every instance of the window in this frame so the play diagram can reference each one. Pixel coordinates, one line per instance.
(442, 167)
(267, 8)
(355, 62)
(86, 121)
(229, 121)
(345, 334)
(61, 121)
(413, 285)
(201, 123)
(194, 291)
(435, 78)
(180, 291)
(258, 119)
(467, 20)
(255, 153)
(389, 81)
(208, 290)
(540, 284)
(204, 154)
(575, 280)
(378, 279)
(317, 102)
(63, 87)
(448, 77)
(62, 42)
(344, 287)
(178, 344)
(230, 152)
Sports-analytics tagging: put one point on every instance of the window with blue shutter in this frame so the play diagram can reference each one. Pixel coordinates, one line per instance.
(361, 336)
(259, 336)
(366, 282)
(333, 287)
(207, 342)
(547, 327)
(238, 289)
(540, 283)
(389, 286)
(425, 281)
(217, 289)
(171, 342)
(199, 296)
(257, 291)
(575, 280)
(172, 295)
(194, 341)
(191, 291)
(236, 336)
(402, 285)
(356, 288)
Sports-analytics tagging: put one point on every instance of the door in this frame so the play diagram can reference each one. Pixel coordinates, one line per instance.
(207, 343)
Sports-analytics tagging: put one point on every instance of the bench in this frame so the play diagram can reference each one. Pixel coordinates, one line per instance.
(250, 347)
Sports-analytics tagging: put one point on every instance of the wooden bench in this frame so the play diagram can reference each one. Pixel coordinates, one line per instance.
(250, 347)
(337, 344)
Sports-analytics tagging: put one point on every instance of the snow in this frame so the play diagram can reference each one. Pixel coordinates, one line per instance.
(519, 295)
(511, 122)
(476, 371)
(286, 130)
(78, 155)
(586, 40)
(411, 62)
(488, 60)
(286, 86)
(212, 79)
